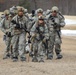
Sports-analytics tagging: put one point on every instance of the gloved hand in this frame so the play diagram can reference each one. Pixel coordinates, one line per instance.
(55, 25)
(17, 26)
(53, 20)
(29, 36)
(29, 41)
(8, 34)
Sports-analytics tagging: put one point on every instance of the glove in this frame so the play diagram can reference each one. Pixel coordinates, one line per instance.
(53, 20)
(29, 41)
(17, 26)
(8, 34)
(55, 25)
(14, 22)
(29, 36)
(37, 28)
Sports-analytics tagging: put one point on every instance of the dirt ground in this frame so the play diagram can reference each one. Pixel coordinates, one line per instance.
(65, 66)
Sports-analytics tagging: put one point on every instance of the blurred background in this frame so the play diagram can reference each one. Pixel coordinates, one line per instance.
(67, 7)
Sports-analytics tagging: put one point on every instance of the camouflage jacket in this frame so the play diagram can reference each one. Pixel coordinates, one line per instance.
(40, 32)
(5, 25)
(23, 23)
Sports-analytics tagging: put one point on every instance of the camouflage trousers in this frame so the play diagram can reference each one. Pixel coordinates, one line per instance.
(38, 49)
(54, 41)
(18, 45)
(8, 43)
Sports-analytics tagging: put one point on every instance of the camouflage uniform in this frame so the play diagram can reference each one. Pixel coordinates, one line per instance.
(54, 26)
(5, 27)
(2, 17)
(40, 34)
(34, 19)
(19, 35)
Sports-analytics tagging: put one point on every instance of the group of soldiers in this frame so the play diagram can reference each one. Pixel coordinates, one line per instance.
(39, 30)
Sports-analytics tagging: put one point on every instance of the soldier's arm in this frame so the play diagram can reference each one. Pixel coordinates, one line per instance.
(12, 25)
(46, 32)
(62, 22)
(27, 24)
(33, 30)
(32, 22)
(2, 27)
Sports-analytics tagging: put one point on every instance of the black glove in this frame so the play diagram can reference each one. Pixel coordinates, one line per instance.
(55, 25)
(17, 26)
(37, 28)
(14, 22)
(52, 18)
(8, 34)
(29, 41)
(29, 36)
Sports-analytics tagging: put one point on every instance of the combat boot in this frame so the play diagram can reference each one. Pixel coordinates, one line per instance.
(34, 59)
(6, 56)
(59, 56)
(49, 56)
(15, 59)
(23, 59)
(41, 60)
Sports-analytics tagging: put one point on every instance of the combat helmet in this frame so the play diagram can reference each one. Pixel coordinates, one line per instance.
(21, 9)
(40, 10)
(6, 12)
(55, 8)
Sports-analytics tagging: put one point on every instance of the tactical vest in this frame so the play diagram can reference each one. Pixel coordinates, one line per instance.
(40, 30)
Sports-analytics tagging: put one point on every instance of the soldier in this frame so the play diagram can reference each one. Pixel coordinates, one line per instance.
(33, 18)
(5, 27)
(39, 35)
(19, 33)
(32, 15)
(56, 22)
(38, 12)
